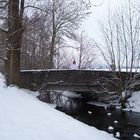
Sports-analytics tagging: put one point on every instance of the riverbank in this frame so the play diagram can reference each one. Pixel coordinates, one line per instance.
(23, 117)
(134, 101)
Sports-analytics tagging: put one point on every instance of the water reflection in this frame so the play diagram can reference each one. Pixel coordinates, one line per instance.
(123, 125)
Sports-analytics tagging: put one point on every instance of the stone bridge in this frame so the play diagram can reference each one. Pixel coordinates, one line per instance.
(71, 80)
(101, 85)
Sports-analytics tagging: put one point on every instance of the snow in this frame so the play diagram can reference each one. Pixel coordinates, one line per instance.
(137, 136)
(40, 70)
(110, 128)
(2, 80)
(118, 134)
(109, 114)
(134, 101)
(115, 122)
(23, 117)
(76, 69)
(89, 112)
(96, 103)
(71, 94)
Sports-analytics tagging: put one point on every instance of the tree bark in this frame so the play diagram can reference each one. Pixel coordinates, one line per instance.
(51, 63)
(14, 43)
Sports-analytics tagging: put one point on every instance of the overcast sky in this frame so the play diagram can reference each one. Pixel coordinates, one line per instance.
(99, 14)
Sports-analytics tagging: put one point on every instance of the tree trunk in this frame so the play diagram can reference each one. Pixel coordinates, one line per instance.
(14, 43)
(51, 63)
(13, 67)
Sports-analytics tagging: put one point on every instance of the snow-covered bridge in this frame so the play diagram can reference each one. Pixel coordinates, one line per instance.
(72, 80)
(102, 85)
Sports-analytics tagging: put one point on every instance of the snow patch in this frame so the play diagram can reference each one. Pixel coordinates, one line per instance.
(109, 114)
(2, 80)
(118, 134)
(96, 103)
(115, 122)
(136, 135)
(134, 101)
(89, 112)
(70, 94)
(110, 128)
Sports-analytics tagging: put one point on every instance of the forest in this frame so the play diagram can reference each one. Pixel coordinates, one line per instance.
(47, 35)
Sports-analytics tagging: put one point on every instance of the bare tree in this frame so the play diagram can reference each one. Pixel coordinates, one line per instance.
(121, 36)
(66, 17)
(86, 51)
(47, 31)
(62, 18)
(121, 47)
(82, 50)
(36, 43)
(12, 11)
(63, 58)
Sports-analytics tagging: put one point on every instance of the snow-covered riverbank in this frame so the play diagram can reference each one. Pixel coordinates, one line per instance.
(23, 117)
(134, 101)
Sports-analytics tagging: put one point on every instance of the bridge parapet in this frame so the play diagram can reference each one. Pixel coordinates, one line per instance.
(72, 80)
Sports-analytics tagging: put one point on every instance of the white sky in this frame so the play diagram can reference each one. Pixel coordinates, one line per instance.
(99, 14)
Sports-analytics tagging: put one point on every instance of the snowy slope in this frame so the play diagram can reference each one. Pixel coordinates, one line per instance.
(23, 117)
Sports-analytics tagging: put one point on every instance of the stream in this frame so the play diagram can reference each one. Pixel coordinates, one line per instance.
(124, 125)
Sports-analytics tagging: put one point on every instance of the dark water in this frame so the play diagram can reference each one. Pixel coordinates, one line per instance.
(128, 123)
(124, 122)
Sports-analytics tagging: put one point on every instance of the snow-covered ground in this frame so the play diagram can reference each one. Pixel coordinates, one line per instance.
(134, 101)
(23, 117)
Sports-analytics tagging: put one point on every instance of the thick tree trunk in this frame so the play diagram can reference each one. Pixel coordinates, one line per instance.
(14, 43)
(14, 67)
